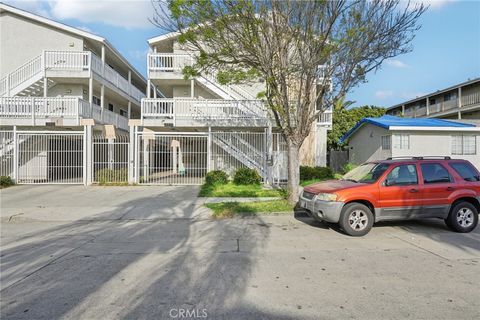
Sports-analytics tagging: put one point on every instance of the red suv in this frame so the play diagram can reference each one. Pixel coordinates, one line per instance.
(398, 189)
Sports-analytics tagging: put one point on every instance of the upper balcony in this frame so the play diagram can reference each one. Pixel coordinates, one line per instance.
(65, 64)
(63, 111)
(168, 65)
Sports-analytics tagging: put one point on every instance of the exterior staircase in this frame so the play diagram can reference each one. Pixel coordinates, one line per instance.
(241, 150)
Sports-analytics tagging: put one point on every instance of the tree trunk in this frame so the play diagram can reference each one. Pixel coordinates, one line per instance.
(293, 172)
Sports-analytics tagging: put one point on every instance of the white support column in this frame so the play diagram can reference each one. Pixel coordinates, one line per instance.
(102, 99)
(45, 87)
(154, 91)
(87, 155)
(130, 82)
(428, 106)
(209, 149)
(103, 60)
(192, 88)
(131, 156)
(15, 155)
(459, 103)
(148, 88)
(136, 155)
(90, 90)
(129, 114)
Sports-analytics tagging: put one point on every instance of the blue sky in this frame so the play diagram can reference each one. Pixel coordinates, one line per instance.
(446, 50)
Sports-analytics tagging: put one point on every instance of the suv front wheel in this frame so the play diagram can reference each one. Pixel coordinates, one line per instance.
(356, 219)
(463, 217)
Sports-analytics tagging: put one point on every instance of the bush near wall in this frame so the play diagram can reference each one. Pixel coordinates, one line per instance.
(216, 177)
(105, 176)
(6, 181)
(245, 176)
(311, 173)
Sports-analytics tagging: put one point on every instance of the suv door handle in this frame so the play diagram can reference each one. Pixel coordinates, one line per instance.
(413, 190)
(450, 188)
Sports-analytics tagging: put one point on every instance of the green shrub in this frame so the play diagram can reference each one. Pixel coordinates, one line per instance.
(104, 176)
(247, 176)
(349, 167)
(216, 177)
(6, 181)
(311, 173)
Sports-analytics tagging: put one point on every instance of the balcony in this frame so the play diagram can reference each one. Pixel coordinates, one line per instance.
(65, 111)
(66, 64)
(167, 63)
(203, 112)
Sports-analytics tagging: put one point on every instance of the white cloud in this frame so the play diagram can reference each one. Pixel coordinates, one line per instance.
(124, 13)
(121, 13)
(383, 94)
(396, 63)
(140, 55)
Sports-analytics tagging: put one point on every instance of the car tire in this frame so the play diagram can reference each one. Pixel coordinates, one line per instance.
(356, 219)
(463, 217)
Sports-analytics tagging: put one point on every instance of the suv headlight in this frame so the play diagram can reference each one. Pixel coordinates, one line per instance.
(327, 196)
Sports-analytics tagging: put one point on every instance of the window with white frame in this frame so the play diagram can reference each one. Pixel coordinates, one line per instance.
(401, 141)
(464, 144)
(386, 142)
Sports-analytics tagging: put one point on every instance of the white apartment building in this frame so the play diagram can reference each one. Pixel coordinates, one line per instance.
(67, 95)
(228, 126)
(56, 75)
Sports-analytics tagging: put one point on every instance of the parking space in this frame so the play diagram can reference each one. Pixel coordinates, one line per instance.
(141, 252)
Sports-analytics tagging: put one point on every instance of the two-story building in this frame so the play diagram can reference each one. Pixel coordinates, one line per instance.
(51, 73)
(461, 101)
(59, 87)
(193, 126)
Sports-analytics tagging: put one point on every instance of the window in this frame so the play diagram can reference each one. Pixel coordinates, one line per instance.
(123, 112)
(401, 141)
(366, 173)
(435, 173)
(110, 107)
(447, 96)
(402, 175)
(97, 101)
(464, 144)
(466, 171)
(386, 142)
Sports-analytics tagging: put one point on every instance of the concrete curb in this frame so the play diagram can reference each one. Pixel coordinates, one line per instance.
(236, 199)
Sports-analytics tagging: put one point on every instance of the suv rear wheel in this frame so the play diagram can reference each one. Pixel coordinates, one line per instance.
(463, 217)
(356, 219)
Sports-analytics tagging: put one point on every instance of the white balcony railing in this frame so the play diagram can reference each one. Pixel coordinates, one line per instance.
(168, 62)
(70, 109)
(245, 111)
(68, 61)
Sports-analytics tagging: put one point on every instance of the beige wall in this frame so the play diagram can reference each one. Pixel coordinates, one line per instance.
(22, 40)
(366, 144)
(435, 144)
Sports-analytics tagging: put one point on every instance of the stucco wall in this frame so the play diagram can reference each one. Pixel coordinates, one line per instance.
(366, 144)
(184, 92)
(22, 40)
(434, 144)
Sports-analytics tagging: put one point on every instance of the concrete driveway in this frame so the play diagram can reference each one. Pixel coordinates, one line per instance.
(153, 253)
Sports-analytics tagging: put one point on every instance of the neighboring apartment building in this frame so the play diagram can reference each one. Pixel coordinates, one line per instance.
(461, 101)
(56, 75)
(374, 139)
(61, 88)
(236, 125)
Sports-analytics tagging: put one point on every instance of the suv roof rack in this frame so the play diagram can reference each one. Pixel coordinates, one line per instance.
(421, 158)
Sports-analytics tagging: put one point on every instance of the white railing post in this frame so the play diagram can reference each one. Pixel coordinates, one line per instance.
(131, 157)
(15, 155)
(44, 62)
(209, 149)
(78, 110)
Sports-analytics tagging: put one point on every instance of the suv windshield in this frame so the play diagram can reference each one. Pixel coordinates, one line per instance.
(366, 173)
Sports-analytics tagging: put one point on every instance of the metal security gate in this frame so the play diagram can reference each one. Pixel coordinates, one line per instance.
(49, 157)
(110, 159)
(7, 151)
(171, 159)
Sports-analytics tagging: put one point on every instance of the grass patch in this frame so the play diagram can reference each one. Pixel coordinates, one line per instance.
(231, 209)
(115, 184)
(233, 190)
